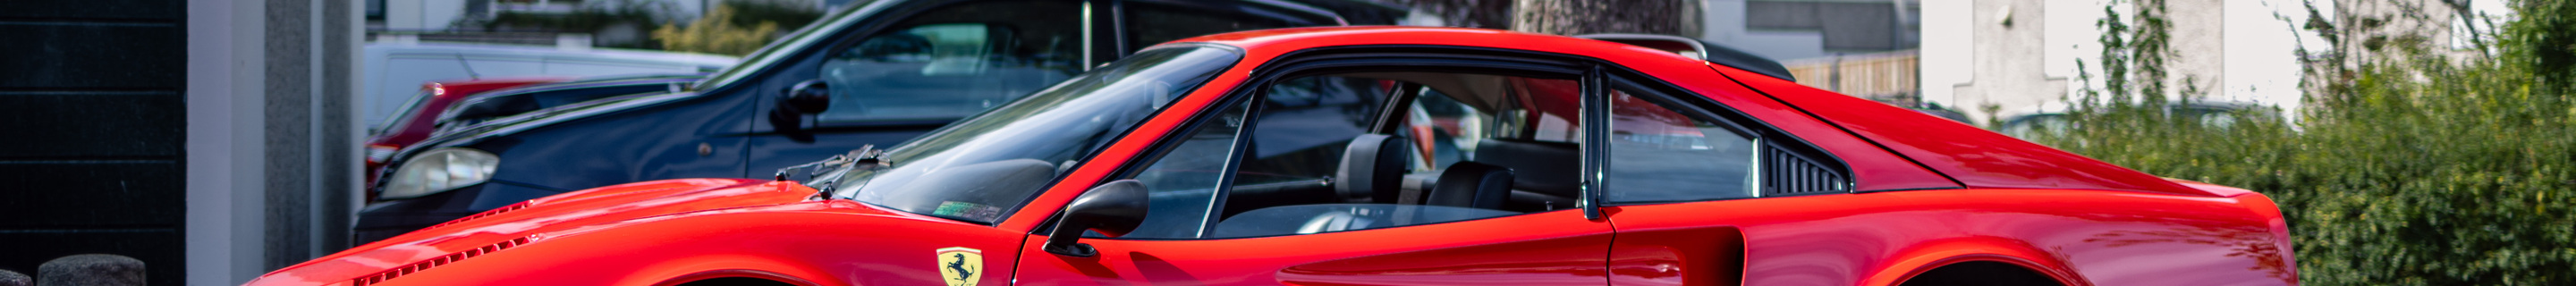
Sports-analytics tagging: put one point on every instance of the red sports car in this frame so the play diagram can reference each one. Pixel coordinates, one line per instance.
(1218, 160)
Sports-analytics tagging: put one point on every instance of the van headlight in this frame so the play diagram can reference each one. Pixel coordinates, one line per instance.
(439, 171)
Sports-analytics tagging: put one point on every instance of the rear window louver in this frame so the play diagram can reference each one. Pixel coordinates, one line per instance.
(1793, 174)
(435, 262)
(503, 209)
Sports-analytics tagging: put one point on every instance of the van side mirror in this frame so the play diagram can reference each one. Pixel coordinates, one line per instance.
(1112, 209)
(809, 97)
(804, 98)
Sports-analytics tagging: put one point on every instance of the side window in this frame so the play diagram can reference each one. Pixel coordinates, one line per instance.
(1659, 155)
(1663, 150)
(1151, 23)
(1546, 110)
(1181, 185)
(1445, 129)
(954, 61)
(1310, 161)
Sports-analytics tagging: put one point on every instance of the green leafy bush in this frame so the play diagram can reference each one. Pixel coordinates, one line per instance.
(737, 27)
(2421, 170)
(716, 33)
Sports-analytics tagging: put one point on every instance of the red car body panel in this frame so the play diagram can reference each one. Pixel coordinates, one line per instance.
(2095, 224)
(1973, 156)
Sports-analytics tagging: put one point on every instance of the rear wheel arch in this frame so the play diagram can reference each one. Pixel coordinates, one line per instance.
(735, 281)
(1975, 255)
(1981, 272)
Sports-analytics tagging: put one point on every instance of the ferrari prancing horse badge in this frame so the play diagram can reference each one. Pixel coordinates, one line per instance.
(961, 266)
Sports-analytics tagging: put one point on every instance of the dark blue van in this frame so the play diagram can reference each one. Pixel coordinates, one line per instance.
(874, 74)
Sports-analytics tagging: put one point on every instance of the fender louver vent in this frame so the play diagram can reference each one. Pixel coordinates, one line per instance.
(433, 262)
(1791, 174)
(503, 209)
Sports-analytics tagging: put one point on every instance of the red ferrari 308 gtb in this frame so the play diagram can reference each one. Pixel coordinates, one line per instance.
(1289, 157)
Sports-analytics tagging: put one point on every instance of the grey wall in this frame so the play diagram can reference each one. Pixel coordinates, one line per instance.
(1802, 29)
(270, 155)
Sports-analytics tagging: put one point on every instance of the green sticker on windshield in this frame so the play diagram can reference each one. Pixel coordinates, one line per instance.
(968, 210)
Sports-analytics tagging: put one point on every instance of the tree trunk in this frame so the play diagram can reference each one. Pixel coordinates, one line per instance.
(1577, 17)
(1489, 14)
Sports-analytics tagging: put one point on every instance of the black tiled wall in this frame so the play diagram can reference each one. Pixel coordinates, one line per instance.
(92, 128)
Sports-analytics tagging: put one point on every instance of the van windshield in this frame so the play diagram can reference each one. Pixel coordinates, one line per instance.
(982, 168)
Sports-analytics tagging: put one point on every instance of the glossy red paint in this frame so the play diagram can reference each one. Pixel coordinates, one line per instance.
(1873, 168)
(2080, 236)
(2098, 226)
(416, 124)
(1555, 248)
(1973, 156)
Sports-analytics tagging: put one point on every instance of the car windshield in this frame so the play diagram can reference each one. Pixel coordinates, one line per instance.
(982, 168)
(402, 116)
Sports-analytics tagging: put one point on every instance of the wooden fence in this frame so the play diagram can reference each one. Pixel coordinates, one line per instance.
(1876, 76)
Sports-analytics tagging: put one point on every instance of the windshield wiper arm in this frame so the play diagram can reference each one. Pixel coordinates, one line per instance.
(829, 171)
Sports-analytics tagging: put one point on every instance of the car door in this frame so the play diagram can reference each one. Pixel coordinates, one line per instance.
(1685, 178)
(1308, 179)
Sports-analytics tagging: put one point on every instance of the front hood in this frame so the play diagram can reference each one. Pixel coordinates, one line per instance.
(557, 215)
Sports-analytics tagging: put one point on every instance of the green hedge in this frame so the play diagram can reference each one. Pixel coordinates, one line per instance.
(2419, 171)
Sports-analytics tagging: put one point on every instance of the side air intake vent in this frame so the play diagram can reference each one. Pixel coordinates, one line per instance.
(434, 262)
(1794, 174)
(503, 209)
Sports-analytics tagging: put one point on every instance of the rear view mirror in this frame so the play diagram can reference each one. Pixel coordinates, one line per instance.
(1112, 209)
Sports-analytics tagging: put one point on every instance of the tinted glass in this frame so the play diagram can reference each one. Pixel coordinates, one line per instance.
(980, 168)
(1312, 164)
(1659, 155)
(954, 61)
(404, 114)
(402, 78)
(1182, 183)
(1304, 124)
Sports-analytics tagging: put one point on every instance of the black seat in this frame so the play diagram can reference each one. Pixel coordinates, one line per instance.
(1373, 168)
(1548, 168)
(1472, 185)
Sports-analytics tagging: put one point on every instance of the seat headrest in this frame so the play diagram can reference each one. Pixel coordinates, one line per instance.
(1551, 168)
(1472, 185)
(1372, 167)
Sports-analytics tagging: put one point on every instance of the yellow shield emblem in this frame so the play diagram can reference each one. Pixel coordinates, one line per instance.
(961, 266)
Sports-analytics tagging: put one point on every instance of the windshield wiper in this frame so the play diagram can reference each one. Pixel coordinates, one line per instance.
(828, 172)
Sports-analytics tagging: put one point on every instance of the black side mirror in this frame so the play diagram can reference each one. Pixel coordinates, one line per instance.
(804, 98)
(1112, 209)
(809, 97)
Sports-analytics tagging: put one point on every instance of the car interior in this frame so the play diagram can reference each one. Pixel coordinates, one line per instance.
(1324, 156)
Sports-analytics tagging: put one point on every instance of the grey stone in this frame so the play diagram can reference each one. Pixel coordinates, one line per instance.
(12, 278)
(91, 270)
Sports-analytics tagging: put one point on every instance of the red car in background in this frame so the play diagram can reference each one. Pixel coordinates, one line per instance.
(1212, 160)
(418, 119)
